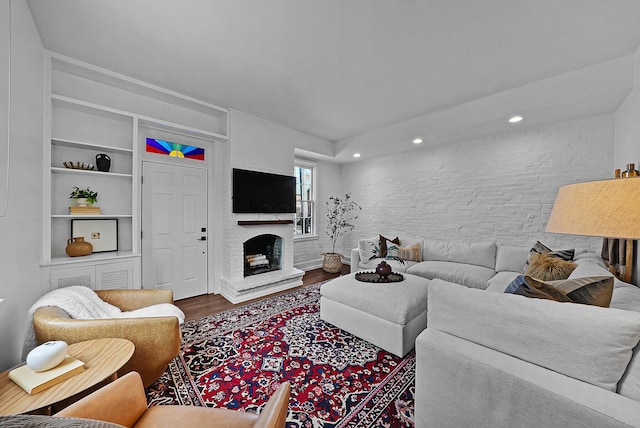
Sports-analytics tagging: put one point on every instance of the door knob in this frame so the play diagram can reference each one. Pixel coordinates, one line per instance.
(202, 238)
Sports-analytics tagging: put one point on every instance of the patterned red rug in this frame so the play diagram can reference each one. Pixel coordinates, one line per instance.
(236, 359)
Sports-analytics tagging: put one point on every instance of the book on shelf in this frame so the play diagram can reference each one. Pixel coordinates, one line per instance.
(84, 210)
(34, 382)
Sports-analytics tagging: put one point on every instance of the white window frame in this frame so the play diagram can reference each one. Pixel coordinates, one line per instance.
(313, 166)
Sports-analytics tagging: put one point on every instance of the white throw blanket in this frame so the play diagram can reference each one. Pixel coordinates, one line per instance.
(82, 303)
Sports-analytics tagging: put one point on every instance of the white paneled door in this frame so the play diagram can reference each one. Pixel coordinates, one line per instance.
(174, 229)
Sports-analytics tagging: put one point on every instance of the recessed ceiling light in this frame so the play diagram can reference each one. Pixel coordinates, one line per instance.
(515, 119)
(417, 140)
(356, 155)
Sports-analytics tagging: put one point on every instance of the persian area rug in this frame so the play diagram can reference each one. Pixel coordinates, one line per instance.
(237, 358)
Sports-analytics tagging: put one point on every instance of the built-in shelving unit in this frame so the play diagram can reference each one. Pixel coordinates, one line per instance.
(89, 111)
(79, 131)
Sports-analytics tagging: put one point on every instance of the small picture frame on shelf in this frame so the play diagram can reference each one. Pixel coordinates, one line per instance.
(102, 234)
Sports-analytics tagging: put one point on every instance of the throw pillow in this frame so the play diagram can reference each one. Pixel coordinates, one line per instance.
(515, 284)
(368, 249)
(593, 290)
(384, 244)
(540, 248)
(549, 268)
(412, 252)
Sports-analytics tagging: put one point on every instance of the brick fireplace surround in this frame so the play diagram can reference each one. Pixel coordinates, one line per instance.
(235, 286)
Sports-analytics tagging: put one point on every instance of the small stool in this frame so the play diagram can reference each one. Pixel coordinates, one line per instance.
(389, 315)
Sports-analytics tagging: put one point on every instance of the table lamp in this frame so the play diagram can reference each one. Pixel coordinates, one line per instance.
(606, 208)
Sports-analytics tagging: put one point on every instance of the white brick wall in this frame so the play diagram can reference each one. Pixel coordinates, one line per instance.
(500, 188)
(260, 145)
(255, 144)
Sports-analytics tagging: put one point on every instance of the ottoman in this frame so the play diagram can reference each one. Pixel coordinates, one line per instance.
(389, 315)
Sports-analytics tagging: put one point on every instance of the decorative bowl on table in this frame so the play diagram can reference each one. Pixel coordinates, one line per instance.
(373, 277)
(78, 165)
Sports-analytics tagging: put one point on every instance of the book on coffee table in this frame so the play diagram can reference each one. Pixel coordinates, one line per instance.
(34, 382)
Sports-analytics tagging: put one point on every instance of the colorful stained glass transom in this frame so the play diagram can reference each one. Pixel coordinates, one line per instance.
(174, 149)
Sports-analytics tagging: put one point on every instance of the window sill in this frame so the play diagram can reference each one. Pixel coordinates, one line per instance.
(301, 238)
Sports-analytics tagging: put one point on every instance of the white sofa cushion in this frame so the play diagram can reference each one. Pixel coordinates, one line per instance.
(499, 391)
(477, 253)
(625, 296)
(510, 258)
(587, 343)
(501, 280)
(466, 274)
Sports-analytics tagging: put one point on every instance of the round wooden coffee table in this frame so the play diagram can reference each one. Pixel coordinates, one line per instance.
(102, 358)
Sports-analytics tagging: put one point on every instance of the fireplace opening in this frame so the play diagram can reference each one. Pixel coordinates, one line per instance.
(262, 254)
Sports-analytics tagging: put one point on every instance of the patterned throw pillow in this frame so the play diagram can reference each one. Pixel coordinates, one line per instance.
(594, 290)
(384, 244)
(540, 248)
(412, 252)
(549, 268)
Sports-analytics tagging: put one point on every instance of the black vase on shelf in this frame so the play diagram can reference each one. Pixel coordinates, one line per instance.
(103, 162)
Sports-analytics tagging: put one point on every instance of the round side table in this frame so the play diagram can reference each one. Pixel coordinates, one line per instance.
(102, 358)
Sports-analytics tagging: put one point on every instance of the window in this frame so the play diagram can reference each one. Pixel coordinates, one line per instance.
(305, 223)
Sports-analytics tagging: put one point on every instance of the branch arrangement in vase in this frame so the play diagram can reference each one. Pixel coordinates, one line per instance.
(340, 217)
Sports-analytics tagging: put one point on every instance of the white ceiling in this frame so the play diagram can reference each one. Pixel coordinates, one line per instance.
(367, 74)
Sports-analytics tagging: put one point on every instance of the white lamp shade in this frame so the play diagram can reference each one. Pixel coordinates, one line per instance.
(607, 208)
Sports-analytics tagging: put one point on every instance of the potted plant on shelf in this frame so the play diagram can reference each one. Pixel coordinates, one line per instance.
(340, 218)
(83, 197)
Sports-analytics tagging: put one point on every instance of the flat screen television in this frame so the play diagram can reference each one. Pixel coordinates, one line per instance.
(262, 192)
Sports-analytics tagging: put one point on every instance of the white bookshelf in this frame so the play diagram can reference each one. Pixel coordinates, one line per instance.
(88, 111)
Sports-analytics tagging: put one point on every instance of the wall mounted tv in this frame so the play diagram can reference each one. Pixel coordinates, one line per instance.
(262, 192)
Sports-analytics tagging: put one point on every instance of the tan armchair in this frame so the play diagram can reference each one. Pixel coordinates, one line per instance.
(124, 402)
(157, 340)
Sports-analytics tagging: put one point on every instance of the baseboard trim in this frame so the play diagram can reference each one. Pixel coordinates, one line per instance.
(316, 264)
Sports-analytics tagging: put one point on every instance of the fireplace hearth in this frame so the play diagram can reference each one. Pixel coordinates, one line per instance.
(262, 254)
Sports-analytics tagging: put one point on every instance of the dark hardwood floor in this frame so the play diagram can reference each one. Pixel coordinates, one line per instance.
(207, 304)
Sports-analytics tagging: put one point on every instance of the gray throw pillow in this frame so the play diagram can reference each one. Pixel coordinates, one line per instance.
(594, 290)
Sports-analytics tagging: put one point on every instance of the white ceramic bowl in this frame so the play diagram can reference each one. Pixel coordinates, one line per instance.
(47, 356)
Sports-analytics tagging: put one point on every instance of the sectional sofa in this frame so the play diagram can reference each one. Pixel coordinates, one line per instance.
(491, 359)
(483, 265)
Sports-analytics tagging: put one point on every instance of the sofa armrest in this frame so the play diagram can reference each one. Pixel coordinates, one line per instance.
(129, 300)
(156, 339)
(355, 260)
(502, 391)
(120, 402)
